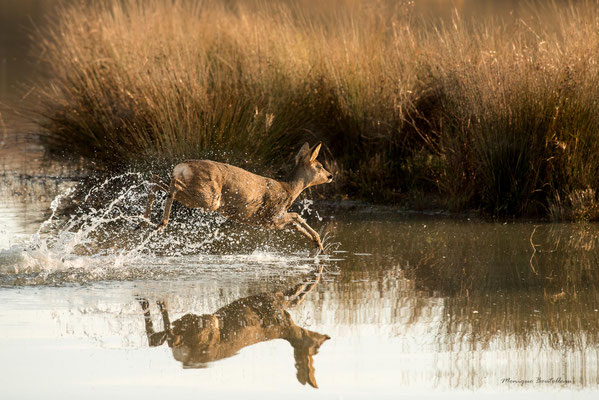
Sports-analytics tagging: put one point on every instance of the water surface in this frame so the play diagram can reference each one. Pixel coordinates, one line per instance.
(412, 304)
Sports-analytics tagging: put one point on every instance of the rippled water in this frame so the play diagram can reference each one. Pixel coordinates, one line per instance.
(410, 304)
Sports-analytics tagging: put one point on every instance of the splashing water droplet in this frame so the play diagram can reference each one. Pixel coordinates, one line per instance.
(99, 240)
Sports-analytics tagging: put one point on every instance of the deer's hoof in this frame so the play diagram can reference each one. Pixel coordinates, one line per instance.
(144, 224)
(319, 246)
(161, 226)
(144, 304)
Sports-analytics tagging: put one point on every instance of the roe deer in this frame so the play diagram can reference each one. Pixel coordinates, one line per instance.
(196, 340)
(242, 195)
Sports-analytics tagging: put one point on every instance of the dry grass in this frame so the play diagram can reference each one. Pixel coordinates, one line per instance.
(496, 115)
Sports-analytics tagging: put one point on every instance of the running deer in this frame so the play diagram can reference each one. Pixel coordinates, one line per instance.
(196, 340)
(242, 195)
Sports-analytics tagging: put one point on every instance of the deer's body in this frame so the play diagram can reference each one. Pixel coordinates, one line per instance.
(232, 191)
(205, 338)
(242, 195)
(199, 339)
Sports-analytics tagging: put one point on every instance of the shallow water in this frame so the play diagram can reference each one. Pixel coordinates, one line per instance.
(413, 304)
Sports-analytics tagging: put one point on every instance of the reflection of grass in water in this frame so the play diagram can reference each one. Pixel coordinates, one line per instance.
(496, 115)
(463, 259)
(482, 274)
(494, 293)
(520, 318)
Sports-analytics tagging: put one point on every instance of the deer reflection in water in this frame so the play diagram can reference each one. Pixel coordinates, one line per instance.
(196, 340)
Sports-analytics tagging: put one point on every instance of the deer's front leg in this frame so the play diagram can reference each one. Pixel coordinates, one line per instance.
(302, 223)
(297, 294)
(302, 226)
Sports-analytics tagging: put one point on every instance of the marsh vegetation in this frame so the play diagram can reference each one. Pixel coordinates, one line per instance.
(493, 114)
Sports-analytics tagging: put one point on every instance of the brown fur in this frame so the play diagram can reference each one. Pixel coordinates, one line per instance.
(198, 339)
(242, 195)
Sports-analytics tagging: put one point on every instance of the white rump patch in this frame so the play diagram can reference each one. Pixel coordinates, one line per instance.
(182, 171)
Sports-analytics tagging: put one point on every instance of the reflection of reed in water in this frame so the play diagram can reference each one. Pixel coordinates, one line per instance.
(530, 300)
(495, 283)
(521, 318)
(196, 340)
(510, 303)
(520, 335)
(458, 260)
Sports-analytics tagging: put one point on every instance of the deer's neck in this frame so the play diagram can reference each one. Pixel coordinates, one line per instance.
(295, 185)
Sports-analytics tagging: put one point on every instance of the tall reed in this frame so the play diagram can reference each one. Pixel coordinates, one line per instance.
(497, 115)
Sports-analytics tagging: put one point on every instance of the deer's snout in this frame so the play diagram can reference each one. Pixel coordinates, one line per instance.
(330, 177)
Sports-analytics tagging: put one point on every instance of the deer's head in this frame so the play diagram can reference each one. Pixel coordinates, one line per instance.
(307, 169)
(305, 345)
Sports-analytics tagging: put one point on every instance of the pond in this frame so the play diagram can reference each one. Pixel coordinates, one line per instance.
(402, 303)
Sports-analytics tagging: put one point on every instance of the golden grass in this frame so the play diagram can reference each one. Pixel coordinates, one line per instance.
(499, 115)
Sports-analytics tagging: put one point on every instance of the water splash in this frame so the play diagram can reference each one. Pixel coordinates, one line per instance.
(99, 240)
(307, 208)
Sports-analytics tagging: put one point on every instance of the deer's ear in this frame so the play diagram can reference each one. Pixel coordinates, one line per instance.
(315, 151)
(304, 151)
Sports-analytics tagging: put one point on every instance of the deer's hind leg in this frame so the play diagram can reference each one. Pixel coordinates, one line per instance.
(155, 184)
(176, 186)
(154, 338)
